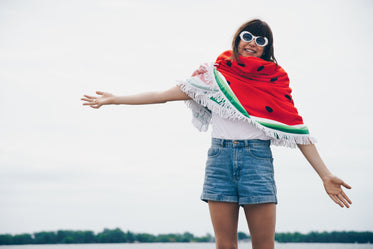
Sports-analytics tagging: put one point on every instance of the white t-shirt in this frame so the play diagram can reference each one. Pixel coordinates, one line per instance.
(224, 128)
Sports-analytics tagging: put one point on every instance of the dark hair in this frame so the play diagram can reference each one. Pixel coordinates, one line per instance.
(258, 28)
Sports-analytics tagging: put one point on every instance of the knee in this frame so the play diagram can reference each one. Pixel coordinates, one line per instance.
(226, 245)
(263, 244)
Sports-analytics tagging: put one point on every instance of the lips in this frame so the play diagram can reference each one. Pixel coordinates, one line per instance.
(250, 51)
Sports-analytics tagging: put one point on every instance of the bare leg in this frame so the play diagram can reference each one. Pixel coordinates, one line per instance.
(261, 219)
(224, 217)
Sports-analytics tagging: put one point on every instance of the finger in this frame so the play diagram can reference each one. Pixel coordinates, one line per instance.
(336, 200)
(346, 197)
(340, 197)
(91, 100)
(87, 96)
(99, 93)
(333, 198)
(197, 72)
(346, 185)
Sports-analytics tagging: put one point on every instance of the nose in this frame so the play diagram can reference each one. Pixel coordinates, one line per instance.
(252, 42)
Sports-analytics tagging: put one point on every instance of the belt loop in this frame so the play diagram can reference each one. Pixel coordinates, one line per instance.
(222, 142)
(246, 143)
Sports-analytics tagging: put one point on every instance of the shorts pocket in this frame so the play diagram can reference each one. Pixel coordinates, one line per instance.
(213, 152)
(260, 152)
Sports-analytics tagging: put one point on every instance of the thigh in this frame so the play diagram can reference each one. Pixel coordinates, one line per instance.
(256, 183)
(224, 217)
(219, 184)
(261, 219)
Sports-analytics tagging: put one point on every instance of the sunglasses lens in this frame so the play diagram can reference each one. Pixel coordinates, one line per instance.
(260, 41)
(247, 37)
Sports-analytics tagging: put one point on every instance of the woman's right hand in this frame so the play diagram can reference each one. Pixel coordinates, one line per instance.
(200, 70)
(96, 102)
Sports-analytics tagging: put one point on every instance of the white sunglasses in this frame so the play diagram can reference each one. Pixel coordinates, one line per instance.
(261, 41)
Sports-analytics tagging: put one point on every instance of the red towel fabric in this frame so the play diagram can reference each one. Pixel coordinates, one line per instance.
(262, 87)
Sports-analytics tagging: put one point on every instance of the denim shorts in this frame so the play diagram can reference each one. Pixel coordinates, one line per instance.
(239, 171)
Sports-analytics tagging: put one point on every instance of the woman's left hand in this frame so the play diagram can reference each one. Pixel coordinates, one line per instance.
(333, 186)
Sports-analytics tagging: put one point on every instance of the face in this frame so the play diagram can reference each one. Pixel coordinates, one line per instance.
(250, 49)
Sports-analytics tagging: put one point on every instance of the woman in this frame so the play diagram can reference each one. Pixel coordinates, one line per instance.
(246, 97)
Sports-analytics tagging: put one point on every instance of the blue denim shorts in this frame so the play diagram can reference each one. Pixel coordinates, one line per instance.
(239, 171)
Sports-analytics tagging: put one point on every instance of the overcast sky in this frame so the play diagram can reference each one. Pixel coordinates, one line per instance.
(141, 168)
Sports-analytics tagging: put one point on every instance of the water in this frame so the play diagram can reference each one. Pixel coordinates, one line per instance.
(188, 246)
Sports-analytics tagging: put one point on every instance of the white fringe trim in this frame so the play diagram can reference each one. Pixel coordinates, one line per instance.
(201, 99)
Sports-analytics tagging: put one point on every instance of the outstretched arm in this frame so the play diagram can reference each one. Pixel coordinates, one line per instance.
(103, 98)
(332, 184)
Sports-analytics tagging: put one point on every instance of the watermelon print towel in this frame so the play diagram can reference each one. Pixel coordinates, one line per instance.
(251, 89)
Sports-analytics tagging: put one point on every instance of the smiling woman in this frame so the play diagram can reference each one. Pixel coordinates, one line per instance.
(251, 45)
(254, 38)
(246, 96)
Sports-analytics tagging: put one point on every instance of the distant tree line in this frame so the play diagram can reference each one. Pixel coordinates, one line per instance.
(118, 236)
(326, 237)
(106, 236)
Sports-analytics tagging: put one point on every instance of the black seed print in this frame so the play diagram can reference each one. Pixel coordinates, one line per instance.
(260, 68)
(228, 82)
(269, 109)
(229, 63)
(288, 97)
(241, 64)
(274, 79)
